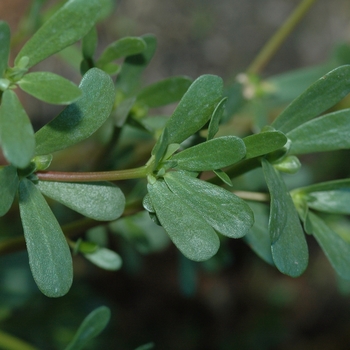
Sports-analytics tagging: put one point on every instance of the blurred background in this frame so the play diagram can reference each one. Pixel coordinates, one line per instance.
(236, 300)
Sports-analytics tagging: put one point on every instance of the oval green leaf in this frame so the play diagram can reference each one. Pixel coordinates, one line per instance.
(320, 96)
(210, 155)
(50, 259)
(49, 87)
(216, 118)
(16, 131)
(98, 200)
(9, 184)
(92, 326)
(4, 47)
(221, 209)
(68, 25)
(185, 227)
(81, 119)
(288, 244)
(335, 248)
(334, 202)
(327, 133)
(105, 259)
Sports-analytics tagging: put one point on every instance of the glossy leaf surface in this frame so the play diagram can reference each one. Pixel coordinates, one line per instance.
(188, 230)
(105, 259)
(50, 88)
(335, 248)
(288, 245)
(49, 255)
(4, 47)
(335, 202)
(98, 200)
(81, 119)
(319, 97)
(327, 133)
(221, 209)
(69, 24)
(216, 118)
(8, 185)
(210, 155)
(16, 131)
(164, 92)
(91, 327)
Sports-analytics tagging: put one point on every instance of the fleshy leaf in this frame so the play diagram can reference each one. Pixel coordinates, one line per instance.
(49, 255)
(4, 47)
(216, 118)
(9, 185)
(288, 244)
(68, 25)
(92, 326)
(223, 177)
(16, 131)
(335, 202)
(164, 92)
(81, 119)
(210, 155)
(98, 200)
(126, 46)
(221, 209)
(187, 229)
(327, 133)
(335, 248)
(326, 186)
(89, 43)
(50, 88)
(263, 143)
(320, 96)
(105, 259)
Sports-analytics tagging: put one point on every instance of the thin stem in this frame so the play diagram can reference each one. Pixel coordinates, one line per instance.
(10, 342)
(114, 175)
(271, 47)
(253, 196)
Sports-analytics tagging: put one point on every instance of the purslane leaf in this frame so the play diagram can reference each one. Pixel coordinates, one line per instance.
(335, 202)
(50, 88)
(216, 118)
(9, 184)
(221, 209)
(325, 186)
(193, 236)
(335, 248)
(210, 155)
(92, 326)
(327, 133)
(49, 255)
(164, 92)
(16, 131)
(320, 96)
(288, 244)
(81, 119)
(99, 200)
(68, 25)
(105, 259)
(4, 47)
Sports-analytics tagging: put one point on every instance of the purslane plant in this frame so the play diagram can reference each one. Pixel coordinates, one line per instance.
(190, 169)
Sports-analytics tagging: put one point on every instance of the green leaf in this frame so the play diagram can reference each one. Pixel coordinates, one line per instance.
(89, 43)
(325, 186)
(133, 67)
(69, 24)
(49, 87)
(327, 133)
(16, 131)
(216, 118)
(9, 185)
(164, 92)
(105, 259)
(126, 46)
(81, 119)
(335, 248)
(91, 327)
(160, 148)
(4, 47)
(221, 209)
(335, 202)
(263, 143)
(288, 245)
(210, 155)
(288, 164)
(223, 177)
(49, 255)
(98, 200)
(186, 228)
(319, 97)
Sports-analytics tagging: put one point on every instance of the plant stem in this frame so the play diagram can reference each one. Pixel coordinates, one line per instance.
(253, 196)
(10, 342)
(114, 175)
(270, 48)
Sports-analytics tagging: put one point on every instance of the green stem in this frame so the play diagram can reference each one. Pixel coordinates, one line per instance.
(114, 175)
(270, 48)
(10, 342)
